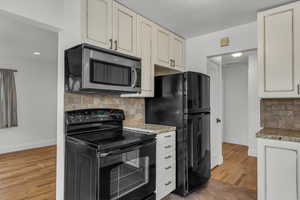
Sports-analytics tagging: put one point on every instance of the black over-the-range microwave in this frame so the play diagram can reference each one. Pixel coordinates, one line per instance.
(89, 69)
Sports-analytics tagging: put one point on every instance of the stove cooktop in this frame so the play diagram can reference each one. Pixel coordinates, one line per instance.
(124, 139)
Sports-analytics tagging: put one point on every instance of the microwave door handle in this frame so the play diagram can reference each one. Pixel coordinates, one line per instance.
(135, 77)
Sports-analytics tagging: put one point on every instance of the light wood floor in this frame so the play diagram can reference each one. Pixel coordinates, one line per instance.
(238, 169)
(30, 175)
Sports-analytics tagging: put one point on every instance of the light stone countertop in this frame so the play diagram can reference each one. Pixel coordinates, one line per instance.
(279, 134)
(151, 128)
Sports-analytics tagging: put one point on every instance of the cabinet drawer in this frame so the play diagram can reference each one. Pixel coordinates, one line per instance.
(167, 137)
(165, 187)
(166, 144)
(166, 159)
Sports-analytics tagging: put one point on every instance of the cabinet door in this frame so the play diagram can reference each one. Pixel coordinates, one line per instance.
(97, 22)
(281, 174)
(278, 170)
(162, 47)
(124, 30)
(278, 51)
(178, 48)
(145, 51)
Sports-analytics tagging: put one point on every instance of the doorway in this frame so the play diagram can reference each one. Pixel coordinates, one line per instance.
(235, 117)
(28, 148)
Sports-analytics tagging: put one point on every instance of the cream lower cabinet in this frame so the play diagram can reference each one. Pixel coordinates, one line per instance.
(278, 170)
(165, 164)
(278, 51)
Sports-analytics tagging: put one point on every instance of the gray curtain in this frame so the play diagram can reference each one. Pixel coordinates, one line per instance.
(8, 99)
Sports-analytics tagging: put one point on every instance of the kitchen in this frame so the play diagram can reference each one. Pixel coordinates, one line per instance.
(168, 52)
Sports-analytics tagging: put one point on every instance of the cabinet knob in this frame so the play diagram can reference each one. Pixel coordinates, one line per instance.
(111, 43)
(168, 183)
(116, 45)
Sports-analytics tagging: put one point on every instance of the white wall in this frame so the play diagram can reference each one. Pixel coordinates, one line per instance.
(47, 12)
(253, 103)
(242, 37)
(235, 85)
(36, 85)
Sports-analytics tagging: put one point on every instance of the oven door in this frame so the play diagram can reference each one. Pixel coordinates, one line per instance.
(105, 71)
(128, 174)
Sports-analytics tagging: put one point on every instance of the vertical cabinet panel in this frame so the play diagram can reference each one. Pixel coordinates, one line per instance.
(124, 29)
(278, 50)
(281, 173)
(145, 51)
(97, 22)
(163, 47)
(279, 66)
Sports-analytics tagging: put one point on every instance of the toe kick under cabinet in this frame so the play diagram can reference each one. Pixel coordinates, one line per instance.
(165, 164)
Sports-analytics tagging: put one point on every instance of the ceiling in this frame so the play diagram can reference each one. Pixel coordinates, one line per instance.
(191, 18)
(19, 39)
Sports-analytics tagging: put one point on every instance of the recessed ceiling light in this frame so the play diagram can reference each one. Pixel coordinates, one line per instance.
(36, 53)
(236, 55)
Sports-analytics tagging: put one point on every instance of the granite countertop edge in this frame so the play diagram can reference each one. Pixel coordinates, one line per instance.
(151, 128)
(279, 134)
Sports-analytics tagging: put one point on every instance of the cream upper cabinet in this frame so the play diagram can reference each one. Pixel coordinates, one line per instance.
(163, 47)
(145, 37)
(278, 52)
(145, 40)
(178, 53)
(124, 29)
(97, 22)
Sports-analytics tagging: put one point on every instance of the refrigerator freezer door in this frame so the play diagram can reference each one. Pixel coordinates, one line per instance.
(198, 130)
(166, 108)
(197, 87)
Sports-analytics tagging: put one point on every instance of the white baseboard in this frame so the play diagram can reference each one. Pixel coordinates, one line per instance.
(220, 160)
(217, 161)
(10, 149)
(252, 152)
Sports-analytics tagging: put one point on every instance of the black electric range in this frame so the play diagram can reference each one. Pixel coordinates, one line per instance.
(105, 161)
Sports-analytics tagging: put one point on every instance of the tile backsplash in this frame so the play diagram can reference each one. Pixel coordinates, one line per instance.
(134, 108)
(280, 113)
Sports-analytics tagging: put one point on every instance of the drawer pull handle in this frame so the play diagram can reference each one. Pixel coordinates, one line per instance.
(167, 168)
(168, 157)
(168, 147)
(168, 183)
(168, 136)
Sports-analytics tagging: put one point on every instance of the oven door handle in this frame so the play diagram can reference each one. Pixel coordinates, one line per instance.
(134, 70)
(120, 151)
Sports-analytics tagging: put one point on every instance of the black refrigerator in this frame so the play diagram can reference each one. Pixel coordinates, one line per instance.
(183, 100)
